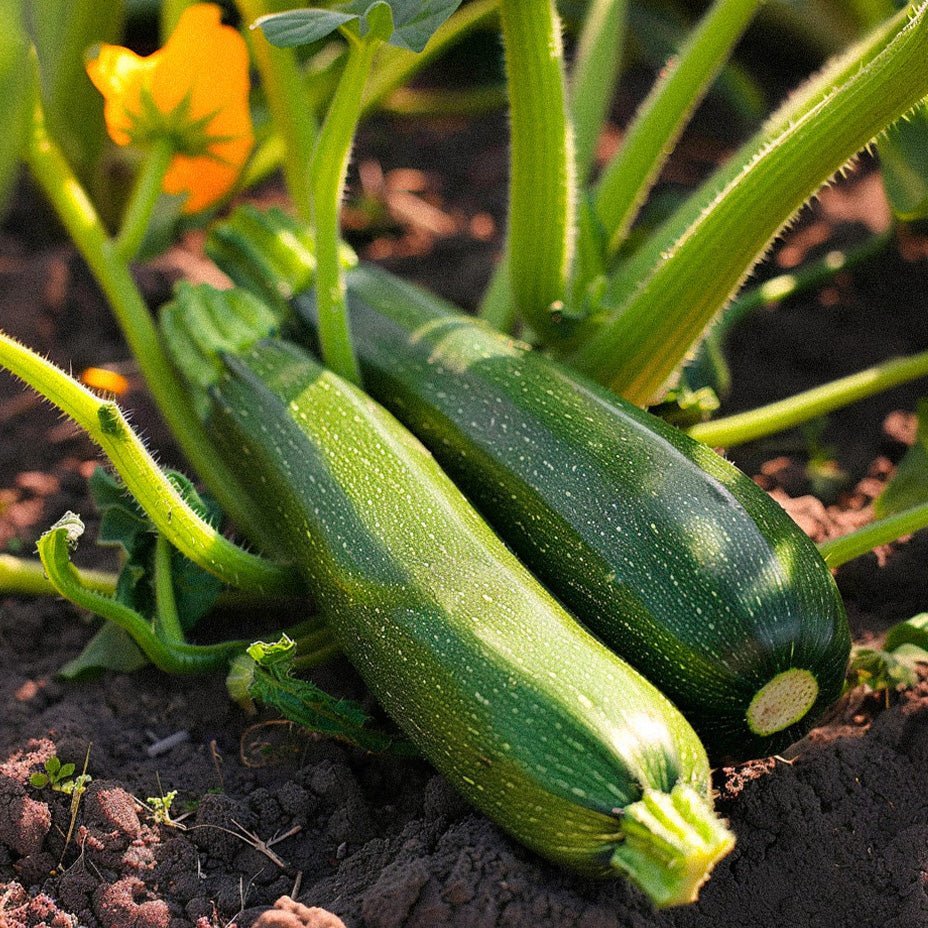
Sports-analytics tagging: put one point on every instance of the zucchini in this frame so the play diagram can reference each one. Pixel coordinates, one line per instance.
(540, 726)
(668, 553)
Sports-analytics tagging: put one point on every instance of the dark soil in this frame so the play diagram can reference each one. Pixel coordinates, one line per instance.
(835, 834)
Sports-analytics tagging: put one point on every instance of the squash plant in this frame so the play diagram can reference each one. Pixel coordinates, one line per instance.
(717, 597)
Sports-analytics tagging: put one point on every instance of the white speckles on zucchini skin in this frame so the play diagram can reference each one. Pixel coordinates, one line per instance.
(537, 723)
(674, 558)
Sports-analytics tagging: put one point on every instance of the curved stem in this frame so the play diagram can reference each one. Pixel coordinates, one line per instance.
(838, 551)
(540, 239)
(810, 404)
(107, 427)
(329, 170)
(137, 217)
(172, 657)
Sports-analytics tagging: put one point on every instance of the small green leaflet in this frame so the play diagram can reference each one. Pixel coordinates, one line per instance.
(895, 666)
(407, 24)
(265, 675)
(909, 485)
(123, 524)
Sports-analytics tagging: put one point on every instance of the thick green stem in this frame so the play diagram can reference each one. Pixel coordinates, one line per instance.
(639, 347)
(20, 576)
(293, 119)
(136, 219)
(810, 404)
(839, 551)
(83, 224)
(172, 657)
(593, 77)
(653, 135)
(329, 170)
(497, 306)
(541, 184)
(653, 252)
(107, 427)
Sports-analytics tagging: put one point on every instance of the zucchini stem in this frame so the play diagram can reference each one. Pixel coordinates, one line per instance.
(653, 134)
(175, 657)
(110, 269)
(672, 842)
(20, 576)
(167, 620)
(136, 219)
(654, 324)
(282, 83)
(593, 75)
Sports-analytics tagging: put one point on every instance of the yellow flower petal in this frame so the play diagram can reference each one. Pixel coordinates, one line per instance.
(198, 82)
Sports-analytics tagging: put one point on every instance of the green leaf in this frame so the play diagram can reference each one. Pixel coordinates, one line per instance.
(912, 631)
(904, 159)
(38, 780)
(65, 771)
(124, 524)
(52, 766)
(111, 648)
(407, 24)
(909, 485)
(300, 27)
(885, 670)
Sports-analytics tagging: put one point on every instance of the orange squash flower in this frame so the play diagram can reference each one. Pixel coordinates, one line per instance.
(193, 91)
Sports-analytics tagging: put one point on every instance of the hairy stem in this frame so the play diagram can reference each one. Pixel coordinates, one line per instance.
(111, 271)
(593, 77)
(107, 427)
(637, 350)
(541, 185)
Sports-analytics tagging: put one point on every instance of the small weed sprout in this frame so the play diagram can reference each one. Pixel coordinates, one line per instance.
(60, 777)
(160, 807)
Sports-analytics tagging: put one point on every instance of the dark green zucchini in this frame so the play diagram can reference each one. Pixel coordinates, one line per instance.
(672, 556)
(539, 725)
